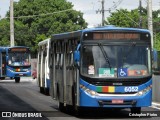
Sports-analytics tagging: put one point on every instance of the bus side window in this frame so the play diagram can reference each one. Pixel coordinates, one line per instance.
(67, 55)
(51, 57)
(57, 60)
(72, 61)
(70, 54)
(61, 60)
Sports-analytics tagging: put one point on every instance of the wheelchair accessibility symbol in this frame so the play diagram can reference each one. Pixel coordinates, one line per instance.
(122, 72)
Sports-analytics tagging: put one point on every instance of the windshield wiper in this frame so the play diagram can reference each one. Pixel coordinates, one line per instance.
(129, 51)
(104, 54)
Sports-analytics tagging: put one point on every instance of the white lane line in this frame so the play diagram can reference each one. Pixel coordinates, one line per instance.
(155, 105)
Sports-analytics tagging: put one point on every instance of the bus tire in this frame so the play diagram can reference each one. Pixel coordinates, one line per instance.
(74, 98)
(79, 112)
(60, 105)
(2, 78)
(46, 91)
(41, 89)
(75, 109)
(17, 79)
(136, 110)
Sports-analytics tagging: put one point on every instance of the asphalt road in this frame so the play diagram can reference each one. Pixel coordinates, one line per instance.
(23, 101)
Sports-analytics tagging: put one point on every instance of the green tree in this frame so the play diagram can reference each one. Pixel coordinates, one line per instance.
(125, 18)
(36, 20)
(156, 29)
(157, 41)
(4, 32)
(22, 33)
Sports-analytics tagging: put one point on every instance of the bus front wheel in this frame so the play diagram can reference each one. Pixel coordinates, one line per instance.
(17, 79)
(2, 78)
(46, 91)
(136, 110)
(41, 89)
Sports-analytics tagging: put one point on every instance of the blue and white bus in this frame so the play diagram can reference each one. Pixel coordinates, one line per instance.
(105, 67)
(15, 62)
(43, 66)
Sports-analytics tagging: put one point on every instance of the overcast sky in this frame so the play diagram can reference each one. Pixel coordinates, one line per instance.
(89, 7)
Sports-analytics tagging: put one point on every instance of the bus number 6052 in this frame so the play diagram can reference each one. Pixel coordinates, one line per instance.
(131, 89)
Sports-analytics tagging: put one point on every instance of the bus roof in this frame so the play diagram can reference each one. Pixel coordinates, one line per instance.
(43, 42)
(112, 27)
(66, 35)
(12, 47)
(78, 33)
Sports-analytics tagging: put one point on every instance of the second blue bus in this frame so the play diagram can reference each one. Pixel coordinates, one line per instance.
(15, 62)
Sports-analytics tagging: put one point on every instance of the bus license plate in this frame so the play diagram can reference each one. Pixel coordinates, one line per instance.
(117, 101)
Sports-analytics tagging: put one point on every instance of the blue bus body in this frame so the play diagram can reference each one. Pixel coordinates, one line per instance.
(15, 62)
(88, 100)
(43, 66)
(112, 68)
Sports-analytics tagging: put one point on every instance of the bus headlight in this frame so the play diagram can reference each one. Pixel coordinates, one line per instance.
(91, 92)
(140, 93)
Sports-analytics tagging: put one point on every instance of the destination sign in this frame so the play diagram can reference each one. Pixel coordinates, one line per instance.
(18, 49)
(128, 36)
(116, 36)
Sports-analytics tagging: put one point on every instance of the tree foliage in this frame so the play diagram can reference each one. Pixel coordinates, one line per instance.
(135, 19)
(125, 18)
(36, 20)
(4, 32)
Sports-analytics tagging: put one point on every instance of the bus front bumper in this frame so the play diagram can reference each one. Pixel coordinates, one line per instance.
(120, 101)
(18, 74)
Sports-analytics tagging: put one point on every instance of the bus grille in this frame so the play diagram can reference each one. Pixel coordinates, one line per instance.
(117, 82)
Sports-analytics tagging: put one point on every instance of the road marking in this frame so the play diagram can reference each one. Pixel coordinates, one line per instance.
(156, 105)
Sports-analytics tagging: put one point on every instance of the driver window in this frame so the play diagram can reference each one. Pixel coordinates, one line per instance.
(88, 63)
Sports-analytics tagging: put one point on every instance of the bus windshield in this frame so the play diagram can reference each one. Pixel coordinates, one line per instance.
(122, 61)
(19, 59)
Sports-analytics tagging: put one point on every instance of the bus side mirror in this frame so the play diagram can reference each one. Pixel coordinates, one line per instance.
(76, 56)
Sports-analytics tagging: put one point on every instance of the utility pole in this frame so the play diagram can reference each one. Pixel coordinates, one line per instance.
(140, 14)
(102, 11)
(11, 24)
(0, 16)
(150, 23)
